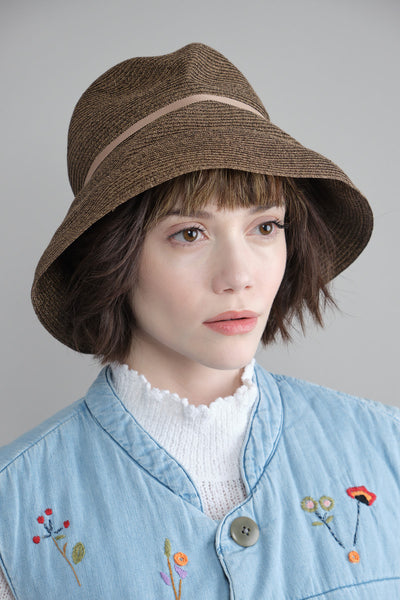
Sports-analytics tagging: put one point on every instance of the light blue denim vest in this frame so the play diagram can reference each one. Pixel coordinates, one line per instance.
(92, 507)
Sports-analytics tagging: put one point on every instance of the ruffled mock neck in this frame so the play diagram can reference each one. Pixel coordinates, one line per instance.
(133, 389)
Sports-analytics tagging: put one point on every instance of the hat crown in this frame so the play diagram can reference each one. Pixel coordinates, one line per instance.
(137, 87)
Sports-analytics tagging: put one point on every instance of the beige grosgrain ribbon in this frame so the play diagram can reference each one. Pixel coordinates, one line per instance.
(160, 113)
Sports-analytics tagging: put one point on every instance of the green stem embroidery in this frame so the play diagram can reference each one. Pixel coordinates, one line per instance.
(63, 553)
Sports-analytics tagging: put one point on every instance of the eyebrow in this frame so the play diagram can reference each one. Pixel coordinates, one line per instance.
(202, 214)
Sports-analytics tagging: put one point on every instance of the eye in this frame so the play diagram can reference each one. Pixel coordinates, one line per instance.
(270, 227)
(191, 234)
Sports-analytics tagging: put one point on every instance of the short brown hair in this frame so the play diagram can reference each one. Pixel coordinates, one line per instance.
(102, 264)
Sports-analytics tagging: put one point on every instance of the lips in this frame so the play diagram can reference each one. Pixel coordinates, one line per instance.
(232, 315)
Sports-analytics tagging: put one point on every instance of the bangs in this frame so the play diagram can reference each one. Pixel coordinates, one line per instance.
(227, 188)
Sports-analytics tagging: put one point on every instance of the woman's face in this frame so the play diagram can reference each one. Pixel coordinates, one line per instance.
(195, 268)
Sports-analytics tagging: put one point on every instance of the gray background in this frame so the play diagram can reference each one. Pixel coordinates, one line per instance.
(327, 72)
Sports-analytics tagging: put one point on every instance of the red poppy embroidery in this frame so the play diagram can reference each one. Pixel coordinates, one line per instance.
(363, 496)
(180, 559)
(78, 551)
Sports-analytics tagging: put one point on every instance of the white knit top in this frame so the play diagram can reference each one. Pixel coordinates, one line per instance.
(206, 440)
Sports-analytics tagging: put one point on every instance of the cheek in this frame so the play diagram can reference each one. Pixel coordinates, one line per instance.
(282, 264)
(161, 293)
(275, 270)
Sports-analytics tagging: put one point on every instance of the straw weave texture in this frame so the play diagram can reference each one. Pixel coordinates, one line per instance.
(203, 135)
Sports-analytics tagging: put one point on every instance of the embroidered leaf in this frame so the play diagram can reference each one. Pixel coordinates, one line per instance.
(167, 548)
(181, 572)
(59, 537)
(329, 519)
(78, 552)
(65, 547)
(317, 523)
(165, 578)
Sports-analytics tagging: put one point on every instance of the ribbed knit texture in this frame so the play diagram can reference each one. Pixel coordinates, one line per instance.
(205, 440)
(5, 592)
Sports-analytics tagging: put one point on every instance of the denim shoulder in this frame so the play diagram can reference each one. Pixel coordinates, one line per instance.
(12, 451)
(298, 391)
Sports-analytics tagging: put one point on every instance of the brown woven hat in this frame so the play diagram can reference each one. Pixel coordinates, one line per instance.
(150, 119)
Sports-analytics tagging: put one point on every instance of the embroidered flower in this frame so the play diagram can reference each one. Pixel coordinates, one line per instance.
(361, 494)
(309, 504)
(180, 560)
(326, 502)
(354, 557)
(78, 551)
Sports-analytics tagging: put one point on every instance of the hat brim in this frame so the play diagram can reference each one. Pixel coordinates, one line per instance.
(165, 151)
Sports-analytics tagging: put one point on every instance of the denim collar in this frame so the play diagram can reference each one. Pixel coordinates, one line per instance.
(261, 439)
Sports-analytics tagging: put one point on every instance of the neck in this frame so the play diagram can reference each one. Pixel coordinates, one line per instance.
(199, 383)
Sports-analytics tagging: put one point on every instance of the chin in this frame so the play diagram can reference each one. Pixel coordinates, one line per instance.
(231, 360)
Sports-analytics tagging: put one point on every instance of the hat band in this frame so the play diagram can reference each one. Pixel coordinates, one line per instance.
(160, 113)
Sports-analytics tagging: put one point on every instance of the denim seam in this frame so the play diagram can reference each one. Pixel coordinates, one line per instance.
(76, 414)
(220, 553)
(137, 463)
(254, 489)
(3, 566)
(248, 432)
(276, 441)
(345, 587)
(107, 376)
(219, 549)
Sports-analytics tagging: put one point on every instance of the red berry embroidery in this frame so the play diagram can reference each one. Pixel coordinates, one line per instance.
(56, 534)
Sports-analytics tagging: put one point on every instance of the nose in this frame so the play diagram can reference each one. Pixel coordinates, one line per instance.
(231, 270)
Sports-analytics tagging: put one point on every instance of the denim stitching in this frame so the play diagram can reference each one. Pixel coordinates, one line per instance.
(345, 587)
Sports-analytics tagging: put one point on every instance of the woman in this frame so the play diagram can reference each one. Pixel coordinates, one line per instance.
(187, 471)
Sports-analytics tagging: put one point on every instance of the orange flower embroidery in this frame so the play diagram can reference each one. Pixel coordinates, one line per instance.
(181, 559)
(354, 557)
